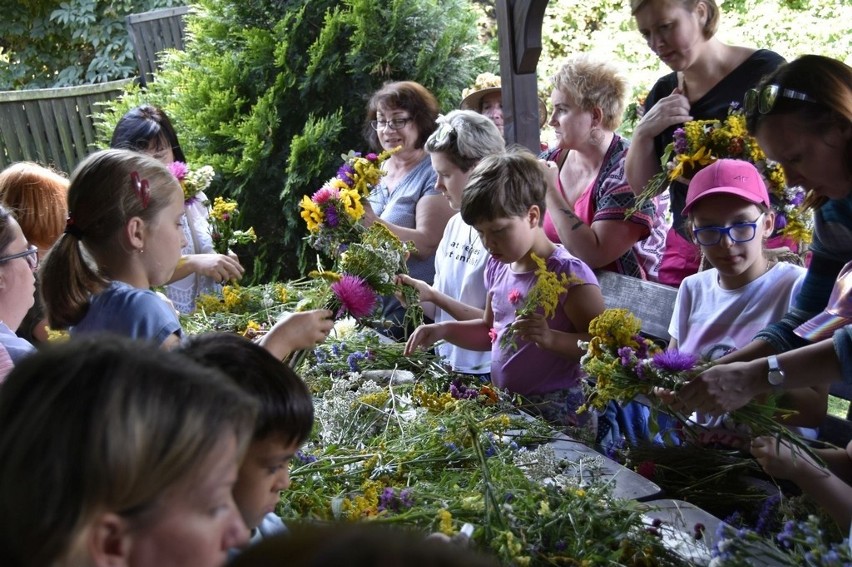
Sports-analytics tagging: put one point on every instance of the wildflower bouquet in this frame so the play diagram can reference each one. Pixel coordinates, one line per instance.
(436, 453)
(192, 181)
(333, 213)
(623, 365)
(544, 296)
(224, 218)
(701, 142)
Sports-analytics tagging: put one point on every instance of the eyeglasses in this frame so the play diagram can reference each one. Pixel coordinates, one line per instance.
(764, 100)
(738, 232)
(31, 255)
(395, 124)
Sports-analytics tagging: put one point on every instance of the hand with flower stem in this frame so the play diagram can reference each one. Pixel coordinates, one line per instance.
(533, 328)
(219, 267)
(829, 486)
(298, 331)
(430, 298)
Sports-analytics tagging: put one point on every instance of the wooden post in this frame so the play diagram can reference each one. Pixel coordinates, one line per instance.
(519, 34)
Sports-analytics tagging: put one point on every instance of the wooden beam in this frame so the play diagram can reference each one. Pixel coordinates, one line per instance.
(519, 35)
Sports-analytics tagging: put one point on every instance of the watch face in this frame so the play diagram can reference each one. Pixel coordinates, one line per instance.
(776, 377)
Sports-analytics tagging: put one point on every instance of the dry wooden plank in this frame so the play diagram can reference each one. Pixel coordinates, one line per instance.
(651, 302)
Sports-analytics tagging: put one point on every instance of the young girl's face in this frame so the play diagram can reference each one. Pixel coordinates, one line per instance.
(196, 521)
(509, 239)
(264, 474)
(164, 239)
(738, 263)
(449, 179)
(673, 33)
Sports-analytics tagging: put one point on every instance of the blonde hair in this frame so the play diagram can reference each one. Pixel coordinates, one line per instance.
(104, 424)
(37, 195)
(102, 198)
(590, 84)
(710, 26)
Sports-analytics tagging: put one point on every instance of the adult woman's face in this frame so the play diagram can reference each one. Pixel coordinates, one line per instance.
(673, 33)
(815, 161)
(197, 521)
(18, 281)
(492, 107)
(405, 135)
(571, 124)
(450, 180)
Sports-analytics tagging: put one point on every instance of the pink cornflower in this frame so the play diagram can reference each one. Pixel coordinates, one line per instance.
(515, 296)
(355, 296)
(492, 334)
(324, 194)
(178, 169)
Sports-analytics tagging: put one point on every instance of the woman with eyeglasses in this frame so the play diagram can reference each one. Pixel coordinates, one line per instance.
(707, 76)
(588, 195)
(458, 293)
(802, 117)
(18, 260)
(402, 115)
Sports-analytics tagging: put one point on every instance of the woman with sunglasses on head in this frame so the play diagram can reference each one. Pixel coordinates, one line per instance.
(802, 117)
(402, 115)
(462, 139)
(18, 261)
(707, 77)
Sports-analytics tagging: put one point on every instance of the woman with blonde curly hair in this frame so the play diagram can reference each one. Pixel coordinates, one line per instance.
(588, 194)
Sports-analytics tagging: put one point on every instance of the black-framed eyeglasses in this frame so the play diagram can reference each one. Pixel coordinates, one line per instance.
(764, 100)
(395, 124)
(31, 255)
(738, 232)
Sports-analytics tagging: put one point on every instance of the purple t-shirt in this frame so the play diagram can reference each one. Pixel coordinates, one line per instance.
(529, 369)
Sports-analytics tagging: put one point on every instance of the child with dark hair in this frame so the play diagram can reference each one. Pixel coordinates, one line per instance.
(284, 421)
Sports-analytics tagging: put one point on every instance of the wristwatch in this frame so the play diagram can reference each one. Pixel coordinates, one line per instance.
(776, 375)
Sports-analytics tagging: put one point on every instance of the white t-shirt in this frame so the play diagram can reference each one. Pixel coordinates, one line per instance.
(710, 322)
(459, 273)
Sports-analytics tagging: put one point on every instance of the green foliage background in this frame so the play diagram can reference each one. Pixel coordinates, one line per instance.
(58, 43)
(271, 94)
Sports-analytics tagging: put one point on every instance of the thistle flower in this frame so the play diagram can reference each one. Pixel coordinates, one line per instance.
(178, 169)
(673, 360)
(354, 295)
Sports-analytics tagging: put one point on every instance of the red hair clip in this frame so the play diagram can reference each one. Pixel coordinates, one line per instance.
(140, 186)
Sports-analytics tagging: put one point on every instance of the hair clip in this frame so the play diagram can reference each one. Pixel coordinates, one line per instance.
(72, 228)
(140, 186)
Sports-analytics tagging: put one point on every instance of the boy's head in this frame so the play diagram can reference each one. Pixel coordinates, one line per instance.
(728, 177)
(504, 185)
(284, 421)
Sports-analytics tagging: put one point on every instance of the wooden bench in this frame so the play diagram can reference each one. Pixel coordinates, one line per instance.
(153, 32)
(651, 302)
(52, 126)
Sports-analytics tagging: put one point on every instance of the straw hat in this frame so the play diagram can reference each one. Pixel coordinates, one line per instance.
(484, 85)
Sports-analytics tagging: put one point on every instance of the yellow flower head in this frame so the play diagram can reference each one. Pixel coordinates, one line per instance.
(223, 209)
(312, 214)
(445, 522)
(616, 328)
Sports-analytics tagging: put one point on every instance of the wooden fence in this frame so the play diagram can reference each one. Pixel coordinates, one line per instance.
(52, 126)
(151, 33)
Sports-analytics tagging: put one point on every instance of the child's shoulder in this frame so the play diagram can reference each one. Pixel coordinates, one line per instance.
(562, 261)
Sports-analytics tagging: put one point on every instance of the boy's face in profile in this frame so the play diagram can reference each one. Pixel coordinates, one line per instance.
(508, 239)
(263, 475)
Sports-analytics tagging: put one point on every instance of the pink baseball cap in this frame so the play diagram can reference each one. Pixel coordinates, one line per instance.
(730, 177)
(838, 312)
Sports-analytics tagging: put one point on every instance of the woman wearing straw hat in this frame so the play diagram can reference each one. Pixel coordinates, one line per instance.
(486, 98)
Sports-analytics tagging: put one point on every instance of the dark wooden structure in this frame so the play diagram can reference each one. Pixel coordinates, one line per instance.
(519, 33)
(52, 126)
(153, 32)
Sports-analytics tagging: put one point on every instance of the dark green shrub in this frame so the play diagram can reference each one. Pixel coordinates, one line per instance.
(271, 93)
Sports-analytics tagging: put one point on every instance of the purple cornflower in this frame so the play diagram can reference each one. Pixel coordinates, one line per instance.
(461, 392)
(346, 173)
(353, 359)
(625, 353)
(406, 498)
(673, 360)
(798, 198)
(767, 513)
(331, 218)
(304, 458)
(680, 143)
(642, 350)
(387, 499)
(780, 221)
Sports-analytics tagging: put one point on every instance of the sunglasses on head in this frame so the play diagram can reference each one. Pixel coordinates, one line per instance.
(765, 99)
(445, 133)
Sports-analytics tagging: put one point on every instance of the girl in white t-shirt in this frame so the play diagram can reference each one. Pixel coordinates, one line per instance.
(462, 139)
(721, 309)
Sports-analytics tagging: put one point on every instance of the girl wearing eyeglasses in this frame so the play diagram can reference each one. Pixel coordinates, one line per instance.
(802, 117)
(18, 259)
(707, 76)
(721, 309)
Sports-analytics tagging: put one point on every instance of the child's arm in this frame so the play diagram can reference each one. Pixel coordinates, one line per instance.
(823, 485)
(220, 267)
(810, 403)
(472, 334)
(582, 304)
(297, 331)
(431, 298)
